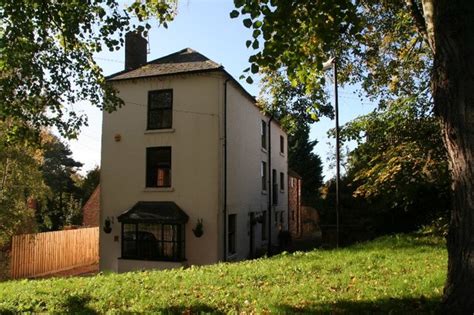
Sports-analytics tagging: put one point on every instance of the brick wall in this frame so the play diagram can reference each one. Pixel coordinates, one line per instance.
(304, 221)
(91, 210)
(294, 204)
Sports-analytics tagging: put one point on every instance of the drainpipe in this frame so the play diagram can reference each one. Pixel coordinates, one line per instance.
(225, 169)
(270, 188)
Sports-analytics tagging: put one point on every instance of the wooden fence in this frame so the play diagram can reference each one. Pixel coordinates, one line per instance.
(41, 254)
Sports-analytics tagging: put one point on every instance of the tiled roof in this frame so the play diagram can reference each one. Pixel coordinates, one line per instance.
(292, 173)
(183, 61)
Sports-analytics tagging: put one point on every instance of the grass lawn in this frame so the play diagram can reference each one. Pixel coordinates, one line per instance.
(402, 274)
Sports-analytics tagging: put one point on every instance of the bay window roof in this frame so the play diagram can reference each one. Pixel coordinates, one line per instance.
(154, 212)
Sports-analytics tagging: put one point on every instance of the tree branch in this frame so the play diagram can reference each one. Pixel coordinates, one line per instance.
(420, 22)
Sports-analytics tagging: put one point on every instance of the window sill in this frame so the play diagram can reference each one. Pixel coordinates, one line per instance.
(158, 189)
(152, 131)
(282, 154)
(264, 192)
(264, 150)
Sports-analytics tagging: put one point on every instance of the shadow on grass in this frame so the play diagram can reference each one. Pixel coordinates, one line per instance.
(402, 241)
(192, 309)
(382, 306)
(78, 305)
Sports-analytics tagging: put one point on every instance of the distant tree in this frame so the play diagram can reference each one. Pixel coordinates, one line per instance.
(400, 165)
(306, 163)
(58, 168)
(296, 108)
(88, 184)
(294, 105)
(21, 186)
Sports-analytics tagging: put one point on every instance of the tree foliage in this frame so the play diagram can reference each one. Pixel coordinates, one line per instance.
(297, 35)
(393, 49)
(377, 44)
(21, 187)
(296, 110)
(62, 207)
(291, 104)
(399, 168)
(306, 163)
(46, 57)
(400, 153)
(88, 184)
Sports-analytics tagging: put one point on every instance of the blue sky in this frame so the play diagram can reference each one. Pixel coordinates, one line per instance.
(205, 26)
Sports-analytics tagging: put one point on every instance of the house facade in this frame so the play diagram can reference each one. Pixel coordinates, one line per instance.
(192, 172)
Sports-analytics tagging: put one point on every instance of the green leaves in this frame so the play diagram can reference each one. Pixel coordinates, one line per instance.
(57, 42)
(234, 14)
(400, 159)
(298, 34)
(247, 23)
(255, 44)
(254, 68)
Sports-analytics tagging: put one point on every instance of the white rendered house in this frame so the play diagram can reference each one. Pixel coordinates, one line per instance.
(192, 172)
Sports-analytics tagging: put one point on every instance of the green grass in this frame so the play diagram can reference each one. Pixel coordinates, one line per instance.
(398, 274)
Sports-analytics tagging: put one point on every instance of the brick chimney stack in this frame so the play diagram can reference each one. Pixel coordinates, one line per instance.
(135, 50)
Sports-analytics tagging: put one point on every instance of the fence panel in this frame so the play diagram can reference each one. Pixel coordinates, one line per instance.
(45, 253)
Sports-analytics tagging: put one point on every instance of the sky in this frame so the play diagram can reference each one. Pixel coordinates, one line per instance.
(205, 26)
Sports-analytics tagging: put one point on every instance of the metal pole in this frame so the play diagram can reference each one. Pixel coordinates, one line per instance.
(336, 101)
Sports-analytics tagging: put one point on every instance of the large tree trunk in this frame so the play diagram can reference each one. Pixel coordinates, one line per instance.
(453, 91)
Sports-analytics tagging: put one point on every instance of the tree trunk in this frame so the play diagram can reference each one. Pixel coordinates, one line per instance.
(453, 91)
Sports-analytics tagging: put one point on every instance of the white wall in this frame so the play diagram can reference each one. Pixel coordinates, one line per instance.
(195, 161)
(197, 164)
(245, 155)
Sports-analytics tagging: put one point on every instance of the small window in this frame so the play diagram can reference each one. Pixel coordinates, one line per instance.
(282, 181)
(282, 145)
(160, 109)
(153, 241)
(263, 133)
(263, 173)
(264, 225)
(231, 237)
(158, 167)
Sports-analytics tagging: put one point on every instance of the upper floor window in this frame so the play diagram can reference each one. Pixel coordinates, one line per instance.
(158, 167)
(263, 133)
(282, 144)
(263, 173)
(160, 109)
